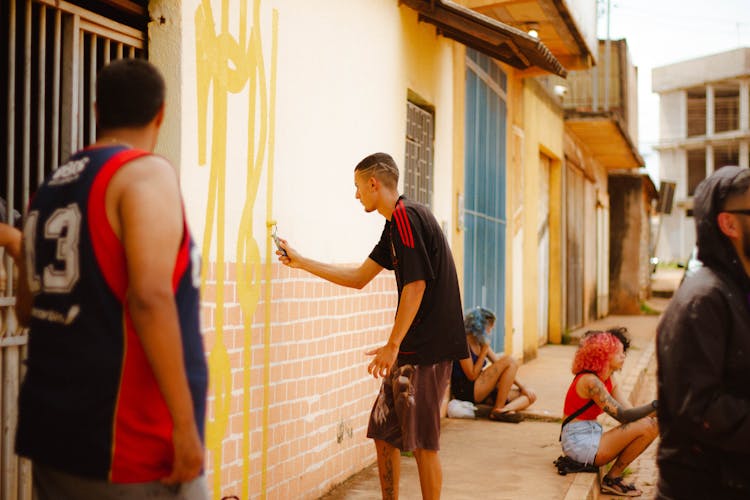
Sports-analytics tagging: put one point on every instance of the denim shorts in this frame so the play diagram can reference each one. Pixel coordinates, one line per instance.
(580, 440)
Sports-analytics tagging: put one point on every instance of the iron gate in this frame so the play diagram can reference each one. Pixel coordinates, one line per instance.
(50, 53)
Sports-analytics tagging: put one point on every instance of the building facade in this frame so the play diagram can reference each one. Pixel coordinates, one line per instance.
(704, 124)
(270, 105)
(601, 130)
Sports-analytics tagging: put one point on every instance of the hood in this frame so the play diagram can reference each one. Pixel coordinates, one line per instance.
(714, 248)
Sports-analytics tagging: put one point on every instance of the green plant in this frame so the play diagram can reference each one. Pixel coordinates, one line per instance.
(648, 310)
(566, 339)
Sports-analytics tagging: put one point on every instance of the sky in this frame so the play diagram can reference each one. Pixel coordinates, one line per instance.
(661, 32)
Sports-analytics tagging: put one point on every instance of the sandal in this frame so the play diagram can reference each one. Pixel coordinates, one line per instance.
(505, 416)
(615, 486)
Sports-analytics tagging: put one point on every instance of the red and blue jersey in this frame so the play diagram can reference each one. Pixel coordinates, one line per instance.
(90, 404)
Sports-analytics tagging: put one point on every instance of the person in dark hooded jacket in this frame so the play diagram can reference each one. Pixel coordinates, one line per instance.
(703, 349)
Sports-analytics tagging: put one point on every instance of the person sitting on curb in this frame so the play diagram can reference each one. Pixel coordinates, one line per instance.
(471, 381)
(592, 392)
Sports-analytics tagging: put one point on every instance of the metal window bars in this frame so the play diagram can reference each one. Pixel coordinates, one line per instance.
(50, 51)
(418, 170)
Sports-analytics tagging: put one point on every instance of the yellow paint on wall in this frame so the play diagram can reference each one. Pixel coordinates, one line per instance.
(227, 65)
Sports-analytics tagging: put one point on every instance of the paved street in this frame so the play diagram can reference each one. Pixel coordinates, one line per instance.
(485, 459)
(644, 471)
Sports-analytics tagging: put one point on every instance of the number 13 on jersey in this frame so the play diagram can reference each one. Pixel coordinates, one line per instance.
(63, 228)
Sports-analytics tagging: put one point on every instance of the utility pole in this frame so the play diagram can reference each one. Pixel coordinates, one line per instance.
(607, 45)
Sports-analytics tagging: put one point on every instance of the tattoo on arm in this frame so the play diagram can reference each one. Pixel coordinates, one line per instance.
(612, 407)
(604, 399)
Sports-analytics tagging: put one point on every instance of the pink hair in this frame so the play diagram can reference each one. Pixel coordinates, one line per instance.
(595, 352)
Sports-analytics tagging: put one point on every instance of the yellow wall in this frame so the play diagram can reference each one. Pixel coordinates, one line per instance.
(459, 118)
(543, 131)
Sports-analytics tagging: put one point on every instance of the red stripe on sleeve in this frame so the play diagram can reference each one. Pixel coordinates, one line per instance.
(408, 224)
(399, 225)
(404, 226)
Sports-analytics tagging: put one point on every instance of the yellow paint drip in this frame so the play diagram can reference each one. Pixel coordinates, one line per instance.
(224, 66)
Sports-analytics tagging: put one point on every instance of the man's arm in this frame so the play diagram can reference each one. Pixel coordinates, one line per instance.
(10, 239)
(150, 220)
(385, 357)
(349, 276)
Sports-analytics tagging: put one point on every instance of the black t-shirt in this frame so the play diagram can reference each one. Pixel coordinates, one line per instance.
(414, 246)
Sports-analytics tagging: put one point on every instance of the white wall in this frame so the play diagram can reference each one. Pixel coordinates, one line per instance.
(584, 15)
(713, 68)
(673, 115)
(677, 235)
(335, 103)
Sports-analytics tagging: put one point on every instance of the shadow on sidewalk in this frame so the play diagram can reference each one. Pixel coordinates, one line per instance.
(486, 459)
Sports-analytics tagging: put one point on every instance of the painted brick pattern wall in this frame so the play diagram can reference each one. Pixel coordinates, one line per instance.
(319, 392)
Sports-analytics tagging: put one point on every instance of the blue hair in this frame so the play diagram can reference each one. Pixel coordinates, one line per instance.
(476, 321)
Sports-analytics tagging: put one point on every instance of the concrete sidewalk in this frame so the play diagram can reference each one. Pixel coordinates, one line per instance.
(486, 459)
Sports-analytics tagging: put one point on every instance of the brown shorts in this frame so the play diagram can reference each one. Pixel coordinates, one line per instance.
(52, 484)
(406, 413)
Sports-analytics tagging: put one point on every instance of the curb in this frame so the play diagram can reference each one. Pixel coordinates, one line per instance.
(585, 486)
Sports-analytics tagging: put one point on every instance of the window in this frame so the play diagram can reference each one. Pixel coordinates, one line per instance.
(418, 168)
(696, 112)
(726, 108)
(696, 169)
(726, 155)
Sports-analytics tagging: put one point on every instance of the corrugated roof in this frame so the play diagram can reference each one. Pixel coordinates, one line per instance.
(490, 36)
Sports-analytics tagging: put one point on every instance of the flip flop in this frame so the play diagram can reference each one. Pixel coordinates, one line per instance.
(616, 486)
(506, 416)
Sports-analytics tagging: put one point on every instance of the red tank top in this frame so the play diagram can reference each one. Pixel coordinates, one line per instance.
(573, 401)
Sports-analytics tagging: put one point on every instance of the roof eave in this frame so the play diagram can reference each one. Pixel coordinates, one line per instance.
(504, 43)
(636, 161)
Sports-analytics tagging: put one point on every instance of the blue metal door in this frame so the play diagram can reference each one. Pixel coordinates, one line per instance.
(485, 192)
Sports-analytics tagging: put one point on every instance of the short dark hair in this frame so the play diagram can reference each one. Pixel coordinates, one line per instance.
(129, 93)
(382, 166)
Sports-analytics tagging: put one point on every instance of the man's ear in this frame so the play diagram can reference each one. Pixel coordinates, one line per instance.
(728, 224)
(159, 118)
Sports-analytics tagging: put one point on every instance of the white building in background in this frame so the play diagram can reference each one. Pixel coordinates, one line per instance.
(704, 120)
